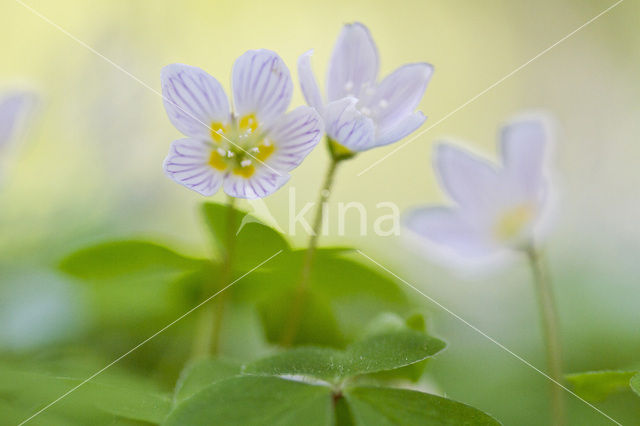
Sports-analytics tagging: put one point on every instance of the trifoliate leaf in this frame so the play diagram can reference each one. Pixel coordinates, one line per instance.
(381, 352)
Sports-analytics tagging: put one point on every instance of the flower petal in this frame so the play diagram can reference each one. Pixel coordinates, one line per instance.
(308, 82)
(354, 63)
(398, 95)
(193, 99)
(15, 108)
(188, 164)
(263, 182)
(405, 127)
(294, 136)
(471, 181)
(522, 145)
(261, 85)
(447, 228)
(348, 126)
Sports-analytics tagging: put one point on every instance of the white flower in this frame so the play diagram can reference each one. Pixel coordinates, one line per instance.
(249, 152)
(359, 112)
(496, 208)
(15, 108)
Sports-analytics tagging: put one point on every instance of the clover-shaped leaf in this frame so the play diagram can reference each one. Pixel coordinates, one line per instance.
(381, 352)
(259, 400)
(127, 259)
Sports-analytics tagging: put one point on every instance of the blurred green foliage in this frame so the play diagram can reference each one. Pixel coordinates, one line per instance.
(359, 330)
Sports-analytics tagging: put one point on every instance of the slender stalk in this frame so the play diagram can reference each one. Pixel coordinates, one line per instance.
(549, 319)
(295, 316)
(207, 339)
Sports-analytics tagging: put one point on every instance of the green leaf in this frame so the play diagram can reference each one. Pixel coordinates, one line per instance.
(201, 374)
(118, 259)
(598, 385)
(318, 325)
(388, 322)
(253, 241)
(635, 383)
(347, 291)
(124, 397)
(256, 400)
(130, 404)
(382, 352)
(398, 407)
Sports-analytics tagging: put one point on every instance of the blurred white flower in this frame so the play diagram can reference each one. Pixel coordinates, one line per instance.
(359, 112)
(250, 152)
(496, 208)
(15, 110)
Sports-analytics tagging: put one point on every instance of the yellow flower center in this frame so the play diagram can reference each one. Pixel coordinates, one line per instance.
(239, 146)
(513, 222)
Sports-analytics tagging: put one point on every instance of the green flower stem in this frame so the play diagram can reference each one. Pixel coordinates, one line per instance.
(207, 339)
(295, 316)
(549, 318)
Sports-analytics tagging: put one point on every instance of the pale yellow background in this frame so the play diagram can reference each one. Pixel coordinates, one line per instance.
(91, 166)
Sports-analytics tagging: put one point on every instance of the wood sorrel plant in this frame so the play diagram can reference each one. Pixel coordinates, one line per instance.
(499, 209)
(248, 152)
(360, 113)
(360, 337)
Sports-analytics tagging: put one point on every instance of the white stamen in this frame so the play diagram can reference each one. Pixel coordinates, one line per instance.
(383, 103)
(348, 86)
(245, 163)
(266, 142)
(365, 111)
(230, 154)
(255, 149)
(221, 151)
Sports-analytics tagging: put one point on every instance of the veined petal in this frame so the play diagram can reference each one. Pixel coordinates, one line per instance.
(308, 82)
(262, 183)
(522, 145)
(348, 126)
(193, 99)
(398, 95)
(447, 228)
(471, 181)
(14, 110)
(405, 127)
(354, 63)
(189, 164)
(261, 85)
(294, 136)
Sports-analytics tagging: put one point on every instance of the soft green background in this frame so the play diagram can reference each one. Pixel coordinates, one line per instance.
(91, 165)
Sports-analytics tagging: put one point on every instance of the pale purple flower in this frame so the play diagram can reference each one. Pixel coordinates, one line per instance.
(359, 112)
(496, 208)
(15, 109)
(248, 152)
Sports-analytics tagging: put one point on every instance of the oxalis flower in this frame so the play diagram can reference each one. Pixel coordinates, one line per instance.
(359, 112)
(249, 152)
(496, 207)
